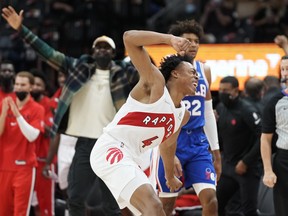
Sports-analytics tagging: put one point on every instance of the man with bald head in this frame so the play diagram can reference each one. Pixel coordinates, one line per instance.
(271, 87)
(253, 89)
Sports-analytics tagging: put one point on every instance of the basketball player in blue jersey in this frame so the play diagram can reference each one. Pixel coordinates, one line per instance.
(193, 153)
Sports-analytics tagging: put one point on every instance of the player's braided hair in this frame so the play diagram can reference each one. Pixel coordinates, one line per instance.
(170, 63)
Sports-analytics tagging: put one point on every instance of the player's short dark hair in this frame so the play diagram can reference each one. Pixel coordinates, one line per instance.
(39, 74)
(232, 80)
(186, 26)
(170, 63)
(284, 57)
(7, 62)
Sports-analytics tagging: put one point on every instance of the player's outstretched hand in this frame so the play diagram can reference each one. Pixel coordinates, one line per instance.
(12, 18)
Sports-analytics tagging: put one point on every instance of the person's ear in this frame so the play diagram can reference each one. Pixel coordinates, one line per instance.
(235, 92)
(174, 73)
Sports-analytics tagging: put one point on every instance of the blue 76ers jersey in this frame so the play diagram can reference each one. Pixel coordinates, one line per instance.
(196, 104)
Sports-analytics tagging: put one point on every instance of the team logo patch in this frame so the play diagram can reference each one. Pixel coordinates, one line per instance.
(233, 122)
(114, 155)
(209, 174)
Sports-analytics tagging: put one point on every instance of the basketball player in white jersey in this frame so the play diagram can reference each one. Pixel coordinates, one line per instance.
(152, 115)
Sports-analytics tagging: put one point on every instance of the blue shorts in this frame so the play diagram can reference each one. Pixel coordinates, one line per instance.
(196, 160)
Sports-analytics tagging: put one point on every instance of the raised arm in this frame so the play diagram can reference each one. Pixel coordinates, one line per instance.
(282, 42)
(12, 18)
(55, 59)
(135, 40)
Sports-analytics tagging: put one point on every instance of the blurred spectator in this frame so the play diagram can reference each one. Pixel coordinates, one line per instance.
(271, 87)
(34, 14)
(284, 18)
(254, 90)
(219, 21)
(7, 75)
(70, 25)
(43, 198)
(155, 6)
(266, 21)
(49, 31)
(11, 46)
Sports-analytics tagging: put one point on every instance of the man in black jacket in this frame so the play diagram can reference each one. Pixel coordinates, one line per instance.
(239, 131)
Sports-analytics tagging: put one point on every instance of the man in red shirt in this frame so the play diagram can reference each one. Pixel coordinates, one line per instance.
(43, 199)
(7, 75)
(21, 121)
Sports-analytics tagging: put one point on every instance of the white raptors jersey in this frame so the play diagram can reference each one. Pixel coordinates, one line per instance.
(142, 126)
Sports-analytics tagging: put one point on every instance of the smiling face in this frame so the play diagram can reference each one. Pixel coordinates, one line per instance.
(102, 48)
(188, 77)
(103, 54)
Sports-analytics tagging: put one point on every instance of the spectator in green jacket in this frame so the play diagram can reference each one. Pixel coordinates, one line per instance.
(95, 88)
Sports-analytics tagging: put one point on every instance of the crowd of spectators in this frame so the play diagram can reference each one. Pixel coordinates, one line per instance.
(72, 25)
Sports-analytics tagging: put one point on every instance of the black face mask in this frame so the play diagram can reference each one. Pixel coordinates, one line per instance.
(103, 61)
(21, 95)
(226, 99)
(36, 95)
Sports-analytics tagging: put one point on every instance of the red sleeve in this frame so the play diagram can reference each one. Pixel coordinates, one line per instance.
(37, 116)
(46, 103)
